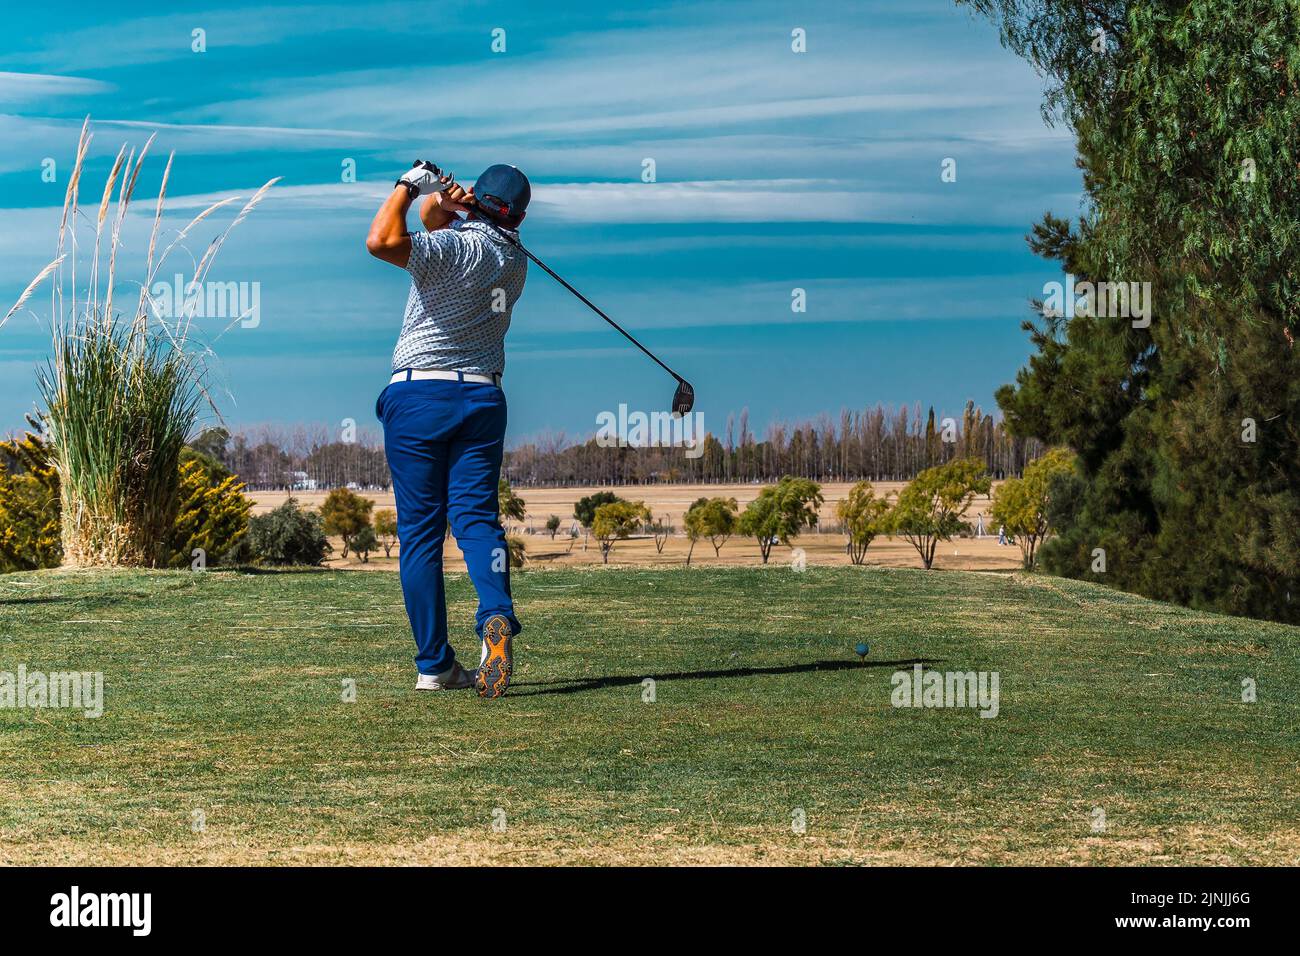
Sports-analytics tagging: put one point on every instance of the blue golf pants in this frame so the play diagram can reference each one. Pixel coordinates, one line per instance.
(444, 442)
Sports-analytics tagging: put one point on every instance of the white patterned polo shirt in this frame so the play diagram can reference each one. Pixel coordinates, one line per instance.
(465, 280)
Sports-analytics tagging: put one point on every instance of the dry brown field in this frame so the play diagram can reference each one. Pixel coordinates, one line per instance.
(966, 554)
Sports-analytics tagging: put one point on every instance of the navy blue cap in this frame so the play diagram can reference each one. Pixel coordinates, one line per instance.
(503, 191)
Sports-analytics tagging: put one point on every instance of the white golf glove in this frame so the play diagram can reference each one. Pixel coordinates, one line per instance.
(424, 178)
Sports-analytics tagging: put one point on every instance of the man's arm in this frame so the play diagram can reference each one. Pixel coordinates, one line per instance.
(388, 238)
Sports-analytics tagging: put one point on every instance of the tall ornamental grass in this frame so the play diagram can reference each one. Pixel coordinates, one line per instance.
(122, 391)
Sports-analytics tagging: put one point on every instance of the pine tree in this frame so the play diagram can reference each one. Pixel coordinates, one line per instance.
(1187, 426)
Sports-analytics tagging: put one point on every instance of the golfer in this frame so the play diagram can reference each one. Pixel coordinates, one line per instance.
(443, 410)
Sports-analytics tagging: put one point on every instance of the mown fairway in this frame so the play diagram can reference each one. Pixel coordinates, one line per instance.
(224, 695)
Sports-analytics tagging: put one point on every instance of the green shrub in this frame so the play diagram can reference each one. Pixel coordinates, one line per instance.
(585, 509)
(517, 550)
(509, 504)
(385, 525)
(364, 541)
(212, 512)
(346, 514)
(288, 535)
(616, 520)
(29, 506)
(213, 515)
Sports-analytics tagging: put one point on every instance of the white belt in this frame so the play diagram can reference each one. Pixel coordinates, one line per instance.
(422, 374)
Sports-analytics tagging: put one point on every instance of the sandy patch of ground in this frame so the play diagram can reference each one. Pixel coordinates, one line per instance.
(671, 501)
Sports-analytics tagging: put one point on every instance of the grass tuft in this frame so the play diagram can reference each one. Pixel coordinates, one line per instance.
(121, 392)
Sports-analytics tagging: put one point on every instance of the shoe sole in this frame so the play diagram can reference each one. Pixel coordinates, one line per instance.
(494, 673)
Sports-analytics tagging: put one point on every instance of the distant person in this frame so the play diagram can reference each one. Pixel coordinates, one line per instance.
(443, 410)
(1002, 534)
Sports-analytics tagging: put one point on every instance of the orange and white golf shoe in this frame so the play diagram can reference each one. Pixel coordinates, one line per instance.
(493, 675)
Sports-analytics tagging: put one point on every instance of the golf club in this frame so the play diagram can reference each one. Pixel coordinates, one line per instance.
(683, 398)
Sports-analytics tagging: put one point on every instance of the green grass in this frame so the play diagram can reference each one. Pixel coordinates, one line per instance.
(223, 694)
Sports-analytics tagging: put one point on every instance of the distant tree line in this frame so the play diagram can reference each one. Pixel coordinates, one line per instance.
(876, 444)
(299, 458)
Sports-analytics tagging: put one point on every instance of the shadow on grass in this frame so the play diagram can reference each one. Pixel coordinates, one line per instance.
(88, 602)
(577, 685)
(547, 555)
(280, 569)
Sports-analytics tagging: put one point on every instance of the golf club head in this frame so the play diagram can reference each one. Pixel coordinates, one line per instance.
(683, 398)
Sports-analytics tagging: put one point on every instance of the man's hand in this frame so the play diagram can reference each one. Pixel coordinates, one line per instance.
(440, 209)
(455, 198)
(424, 178)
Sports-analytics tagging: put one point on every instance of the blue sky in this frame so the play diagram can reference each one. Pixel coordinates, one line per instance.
(775, 170)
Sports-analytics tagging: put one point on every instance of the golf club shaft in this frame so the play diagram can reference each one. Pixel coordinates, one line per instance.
(587, 302)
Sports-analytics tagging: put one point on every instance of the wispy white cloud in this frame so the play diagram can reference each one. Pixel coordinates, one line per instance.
(754, 200)
(698, 305)
(716, 201)
(520, 353)
(270, 134)
(611, 79)
(30, 87)
(26, 140)
(156, 39)
(733, 200)
(779, 109)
